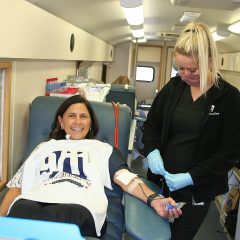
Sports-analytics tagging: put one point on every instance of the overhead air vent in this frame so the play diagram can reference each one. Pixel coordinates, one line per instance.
(167, 36)
(180, 2)
(212, 4)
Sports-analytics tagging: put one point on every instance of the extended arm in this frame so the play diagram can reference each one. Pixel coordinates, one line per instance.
(8, 199)
(140, 190)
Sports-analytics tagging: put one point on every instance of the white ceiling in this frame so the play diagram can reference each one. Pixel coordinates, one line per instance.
(105, 18)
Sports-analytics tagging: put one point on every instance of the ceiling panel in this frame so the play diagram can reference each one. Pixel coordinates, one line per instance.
(105, 18)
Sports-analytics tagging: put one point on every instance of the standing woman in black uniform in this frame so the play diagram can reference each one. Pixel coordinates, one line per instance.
(192, 132)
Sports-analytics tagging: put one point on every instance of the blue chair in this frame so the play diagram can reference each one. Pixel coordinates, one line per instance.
(123, 95)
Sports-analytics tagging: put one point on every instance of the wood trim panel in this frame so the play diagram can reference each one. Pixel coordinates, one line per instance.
(6, 121)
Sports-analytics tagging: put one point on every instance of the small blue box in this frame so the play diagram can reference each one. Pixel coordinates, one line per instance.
(20, 229)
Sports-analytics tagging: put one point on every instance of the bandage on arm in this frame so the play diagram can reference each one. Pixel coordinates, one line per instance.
(132, 184)
(127, 180)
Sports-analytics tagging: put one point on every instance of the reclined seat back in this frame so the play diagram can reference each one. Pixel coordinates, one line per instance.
(123, 95)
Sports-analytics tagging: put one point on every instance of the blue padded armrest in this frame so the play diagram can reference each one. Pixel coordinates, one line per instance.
(142, 222)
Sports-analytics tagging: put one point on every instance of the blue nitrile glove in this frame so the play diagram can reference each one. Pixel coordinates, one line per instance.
(155, 162)
(177, 181)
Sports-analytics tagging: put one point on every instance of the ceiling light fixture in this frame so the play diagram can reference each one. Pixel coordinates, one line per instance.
(220, 34)
(190, 16)
(217, 37)
(133, 10)
(235, 27)
(137, 31)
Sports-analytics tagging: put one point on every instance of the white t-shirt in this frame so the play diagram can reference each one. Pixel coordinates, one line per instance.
(68, 171)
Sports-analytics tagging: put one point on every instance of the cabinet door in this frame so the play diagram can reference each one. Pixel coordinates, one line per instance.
(236, 63)
(226, 61)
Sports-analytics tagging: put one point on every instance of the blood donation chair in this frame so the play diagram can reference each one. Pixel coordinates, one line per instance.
(124, 94)
(141, 221)
(42, 112)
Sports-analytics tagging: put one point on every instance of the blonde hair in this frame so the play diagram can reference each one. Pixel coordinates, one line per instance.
(196, 41)
(122, 80)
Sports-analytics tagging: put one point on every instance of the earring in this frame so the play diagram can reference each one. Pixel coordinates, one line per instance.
(61, 127)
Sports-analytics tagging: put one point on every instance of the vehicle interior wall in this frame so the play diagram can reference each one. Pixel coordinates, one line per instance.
(120, 64)
(224, 47)
(27, 31)
(148, 56)
(28, 81)
(146, 90)
(95, 71)
(232, 77)
(170, 60)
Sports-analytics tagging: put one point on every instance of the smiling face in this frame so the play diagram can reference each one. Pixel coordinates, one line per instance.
(76, 121)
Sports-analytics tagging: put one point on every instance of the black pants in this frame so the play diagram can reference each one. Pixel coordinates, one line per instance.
(66, 213)
(186, 226)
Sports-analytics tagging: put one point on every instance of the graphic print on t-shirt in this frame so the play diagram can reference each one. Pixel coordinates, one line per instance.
(64, 166)
(68, 172)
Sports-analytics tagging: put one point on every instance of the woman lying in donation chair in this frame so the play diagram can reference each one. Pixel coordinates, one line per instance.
(63, 179)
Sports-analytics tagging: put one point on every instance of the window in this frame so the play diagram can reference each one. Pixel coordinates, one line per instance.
(145, 73)
(5, 96)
